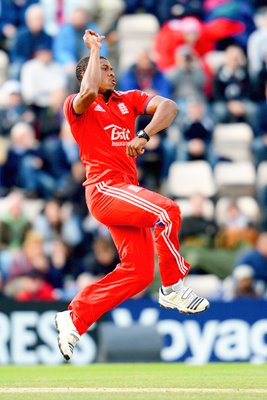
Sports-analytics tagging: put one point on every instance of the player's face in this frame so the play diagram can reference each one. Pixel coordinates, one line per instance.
(108, 78)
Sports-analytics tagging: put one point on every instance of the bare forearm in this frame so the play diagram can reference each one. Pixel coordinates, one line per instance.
(91, 78)
(163, 117)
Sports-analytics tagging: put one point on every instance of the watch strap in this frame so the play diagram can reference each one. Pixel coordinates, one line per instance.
(143, 134)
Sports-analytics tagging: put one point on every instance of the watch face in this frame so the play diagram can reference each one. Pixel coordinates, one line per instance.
(143, 134)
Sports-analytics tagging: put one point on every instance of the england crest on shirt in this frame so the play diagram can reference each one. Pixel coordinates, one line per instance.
(123, 109)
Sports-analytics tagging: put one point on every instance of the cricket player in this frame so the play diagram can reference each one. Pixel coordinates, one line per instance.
(102, 121)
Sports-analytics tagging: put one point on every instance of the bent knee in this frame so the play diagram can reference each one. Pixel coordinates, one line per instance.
(173, 211)
(143, 277)
(146, 280)
(142, 284)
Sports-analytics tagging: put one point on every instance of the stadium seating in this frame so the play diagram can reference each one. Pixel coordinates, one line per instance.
(262, 175)
(235, 178)
(233, 141)
(188, 178)
(3, 66)
(135, 33)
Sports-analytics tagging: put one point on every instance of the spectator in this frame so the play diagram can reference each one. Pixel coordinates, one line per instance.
(187, 77)
(50, 118)
(30, 287)
(29, 260)
(258, 81)
(14, 224)
(74, 190)
(201, 37)
(65, 48)
(58, 13)
(197, 229)
(58, 222)
(234, 218)
(257, 47)
(231, 93)
(199, 241)
(61, 265)
(238, 10)
(25, 166)
(40, 76)
(13, 109)
(61, 153)
(12, 17)
(151, 166)
(236, 231)
(144, 75)
(240, 284)
(170, 9)
(196, 129)
(258, 4)
(259, 145)
(28, 39)
(243, 282)
(103, 259)
(256, 258)
(135, 6)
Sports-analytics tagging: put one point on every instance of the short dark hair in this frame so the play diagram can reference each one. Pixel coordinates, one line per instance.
(81, 66)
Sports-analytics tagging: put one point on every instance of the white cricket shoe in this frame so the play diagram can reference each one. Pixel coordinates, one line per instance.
(184, 300)
(68, 335)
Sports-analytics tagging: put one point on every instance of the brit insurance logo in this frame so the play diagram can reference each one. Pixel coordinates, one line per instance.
(119, 136)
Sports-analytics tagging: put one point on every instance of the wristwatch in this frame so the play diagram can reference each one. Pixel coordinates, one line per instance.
(143, 134)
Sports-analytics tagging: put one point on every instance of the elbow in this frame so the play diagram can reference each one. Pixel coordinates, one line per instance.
(88, 94)
(172, 107)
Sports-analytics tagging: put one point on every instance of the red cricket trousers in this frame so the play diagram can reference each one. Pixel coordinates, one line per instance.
(130, 211)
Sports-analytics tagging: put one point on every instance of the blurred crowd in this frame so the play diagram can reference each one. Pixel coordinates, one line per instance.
(210, 57)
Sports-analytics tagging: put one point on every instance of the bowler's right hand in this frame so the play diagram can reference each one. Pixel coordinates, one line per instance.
(91, 39)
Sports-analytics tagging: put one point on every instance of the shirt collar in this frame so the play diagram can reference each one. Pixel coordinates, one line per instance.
(115, 95)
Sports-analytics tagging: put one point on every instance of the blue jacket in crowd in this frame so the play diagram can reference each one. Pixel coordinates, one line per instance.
(27, 43)
(68, 46)
(255, 260)
(12, 13)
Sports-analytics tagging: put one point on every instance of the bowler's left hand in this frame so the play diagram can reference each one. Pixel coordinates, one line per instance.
(135, 147)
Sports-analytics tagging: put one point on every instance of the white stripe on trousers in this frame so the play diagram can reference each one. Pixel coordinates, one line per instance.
(150, 207)
(162, 215)
(161, 211)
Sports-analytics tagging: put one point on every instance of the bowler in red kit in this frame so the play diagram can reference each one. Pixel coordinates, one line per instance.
(102, 121)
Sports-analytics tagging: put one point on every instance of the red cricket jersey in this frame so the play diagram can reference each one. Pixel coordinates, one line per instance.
(103, 131)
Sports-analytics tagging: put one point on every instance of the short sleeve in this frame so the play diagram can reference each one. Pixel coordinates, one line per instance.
(68, 108)
(139, 101)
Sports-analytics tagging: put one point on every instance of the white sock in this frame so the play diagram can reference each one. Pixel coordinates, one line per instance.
(174, 288)
(178, 286)
(166, 289)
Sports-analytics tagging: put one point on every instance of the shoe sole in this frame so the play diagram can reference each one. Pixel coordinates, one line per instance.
(67, 358)
(185, 311)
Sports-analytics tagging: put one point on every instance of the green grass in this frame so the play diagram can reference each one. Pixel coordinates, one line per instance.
(221, 376)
